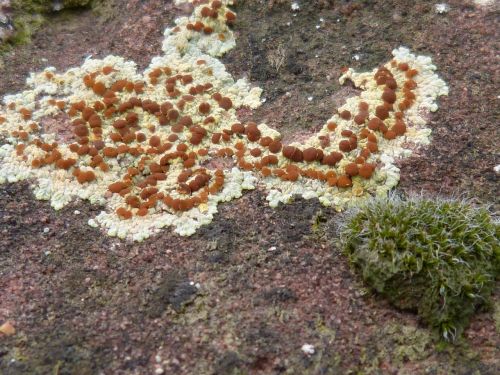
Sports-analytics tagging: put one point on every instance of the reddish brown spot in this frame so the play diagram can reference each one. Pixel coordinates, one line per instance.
(110, 152)
(293, 153)
(238, 128)
(390, 134)
(275, 147)
(345, 146)
(124, 213)
(399, 127)
(116, 187)
(360, 118)
(344, 182)
(255, 152)
(374, 123)
(391, 83)
(403, 66)
(331, 126)
(154, 141)
(345, 114)
(366, 170)
(230, 17)
(332, 158)
(372, 146)
(99, 88)
(363, 106)
(107, 69)
(204, 108)
(312, 154)
(389, 96)
(351, 169)
(381, 112)
(225, 103)
(252, 132)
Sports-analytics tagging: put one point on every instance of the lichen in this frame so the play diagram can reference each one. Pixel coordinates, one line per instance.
(164, 147)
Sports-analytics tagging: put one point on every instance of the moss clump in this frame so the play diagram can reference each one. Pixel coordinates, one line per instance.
(29, 15)
(439, 258)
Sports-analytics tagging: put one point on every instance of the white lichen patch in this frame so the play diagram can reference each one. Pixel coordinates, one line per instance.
(186, 223)
(386, 176)
(153, 148)
(442, 8)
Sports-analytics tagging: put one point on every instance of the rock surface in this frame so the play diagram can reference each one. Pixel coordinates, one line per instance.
(246, 293)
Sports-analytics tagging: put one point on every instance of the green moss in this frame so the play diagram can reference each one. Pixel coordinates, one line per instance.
(409, 343)
(77, 3)
(414, 350)
(29, 15)
(438, 258)
(30, 6)
(496, 316)
(25, 26)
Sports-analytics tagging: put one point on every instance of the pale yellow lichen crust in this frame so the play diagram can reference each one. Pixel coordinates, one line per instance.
(164, 147)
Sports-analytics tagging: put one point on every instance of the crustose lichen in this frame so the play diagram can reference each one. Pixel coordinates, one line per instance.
(165, 146)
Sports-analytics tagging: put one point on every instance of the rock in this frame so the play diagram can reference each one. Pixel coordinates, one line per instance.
(6, 27)
(7, 329)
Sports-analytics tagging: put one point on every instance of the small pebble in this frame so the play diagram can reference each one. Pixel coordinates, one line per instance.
(7, 329)
(442, 8)
(308, 349)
